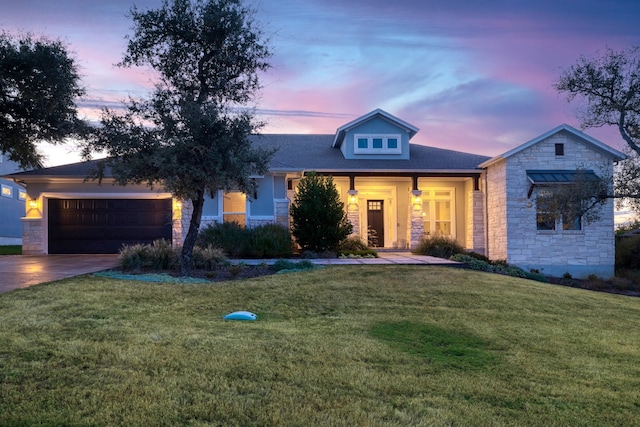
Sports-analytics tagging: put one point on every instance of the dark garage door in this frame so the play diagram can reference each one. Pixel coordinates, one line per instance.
(102, 226)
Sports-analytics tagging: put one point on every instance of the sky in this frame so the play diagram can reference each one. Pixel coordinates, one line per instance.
(473, 76)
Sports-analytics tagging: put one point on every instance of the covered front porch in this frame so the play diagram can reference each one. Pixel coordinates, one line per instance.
(396, 210)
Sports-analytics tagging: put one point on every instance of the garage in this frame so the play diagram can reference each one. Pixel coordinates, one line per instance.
(103, 226)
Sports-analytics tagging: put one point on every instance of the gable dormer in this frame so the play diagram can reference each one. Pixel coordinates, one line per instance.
(377, 135)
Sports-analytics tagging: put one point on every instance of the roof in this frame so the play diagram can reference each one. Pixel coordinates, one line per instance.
(584, 138)
(547, 178)
(552, 177)
(72, 170)
(316, 152)
(342, 130)
(298, 153)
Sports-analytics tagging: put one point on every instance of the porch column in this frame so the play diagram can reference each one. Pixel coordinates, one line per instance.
(353, 212)
(475, 222)
(182, 211)
(416, 221)
(33, 228)
(281, 209)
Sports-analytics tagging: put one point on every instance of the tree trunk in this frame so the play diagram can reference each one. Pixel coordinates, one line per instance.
(186, 260)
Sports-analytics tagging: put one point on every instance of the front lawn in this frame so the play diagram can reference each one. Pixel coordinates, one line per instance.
(339, 346)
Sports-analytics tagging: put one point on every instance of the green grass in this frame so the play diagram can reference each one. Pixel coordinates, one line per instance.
(11, 250)
(339, 346)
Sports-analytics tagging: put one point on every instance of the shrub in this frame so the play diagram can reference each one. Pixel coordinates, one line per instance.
(162, 256)
(268, 241)
(352, 243)
(473, 262)
(353, 246)
(319, 222)
(438, 246)
(208, 258)
(230, 236)
(159, 256)
(365, 253)
(264, 241)
(283, 264)
(628, 253)
(133, 257)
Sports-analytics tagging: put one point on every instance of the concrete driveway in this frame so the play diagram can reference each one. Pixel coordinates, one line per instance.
(22, 271)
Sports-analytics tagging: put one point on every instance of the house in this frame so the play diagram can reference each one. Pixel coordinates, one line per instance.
(12, 203)
(403, 191)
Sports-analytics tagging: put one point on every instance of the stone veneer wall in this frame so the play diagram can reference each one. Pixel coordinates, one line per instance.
(181, 219)
(32, 236)
(281, 209)
(579, 252)
(496, 244)
(416, 221)
(475, 222)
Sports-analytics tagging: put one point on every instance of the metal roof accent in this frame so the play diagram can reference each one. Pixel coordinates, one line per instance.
(546, 178)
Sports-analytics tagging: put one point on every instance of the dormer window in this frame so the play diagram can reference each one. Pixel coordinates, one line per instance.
(377, 144)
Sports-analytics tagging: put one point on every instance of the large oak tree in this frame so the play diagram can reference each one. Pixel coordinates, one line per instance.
(191, 136)
(39, 86)
(607, 87)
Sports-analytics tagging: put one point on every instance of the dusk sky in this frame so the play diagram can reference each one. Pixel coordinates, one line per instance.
(473, 76)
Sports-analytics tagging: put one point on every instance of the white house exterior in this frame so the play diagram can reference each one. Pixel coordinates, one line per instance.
(404, 191)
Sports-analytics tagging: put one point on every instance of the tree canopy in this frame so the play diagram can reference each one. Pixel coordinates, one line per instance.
(192, 135)
(608, 85)
(39, 86)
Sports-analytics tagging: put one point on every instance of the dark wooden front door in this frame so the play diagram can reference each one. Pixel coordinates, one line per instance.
(103, 226)
(375, 221)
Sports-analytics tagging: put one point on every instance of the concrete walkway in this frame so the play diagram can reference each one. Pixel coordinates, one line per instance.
(383, 258)
(21, 271)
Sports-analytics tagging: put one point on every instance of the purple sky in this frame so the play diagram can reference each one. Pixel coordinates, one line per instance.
(473, 76)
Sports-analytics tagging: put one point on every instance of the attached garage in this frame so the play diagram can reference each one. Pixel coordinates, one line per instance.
(103, 226)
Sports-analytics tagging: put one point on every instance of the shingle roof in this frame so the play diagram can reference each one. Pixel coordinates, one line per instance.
(314, 152)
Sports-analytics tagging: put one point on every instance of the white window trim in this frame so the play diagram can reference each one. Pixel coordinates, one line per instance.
(222, 213)
(9, 191)
(429, 195)
(385, 141)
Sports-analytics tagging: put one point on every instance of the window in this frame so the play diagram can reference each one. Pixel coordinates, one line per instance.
(547, 222)
(437, 212)
(544, 222)
(559, 149)
(377, 144)
(234, 207)
(22, 195)
(7, 191)
(571, 223)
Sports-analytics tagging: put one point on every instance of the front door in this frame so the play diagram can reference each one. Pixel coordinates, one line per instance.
(375, 222)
